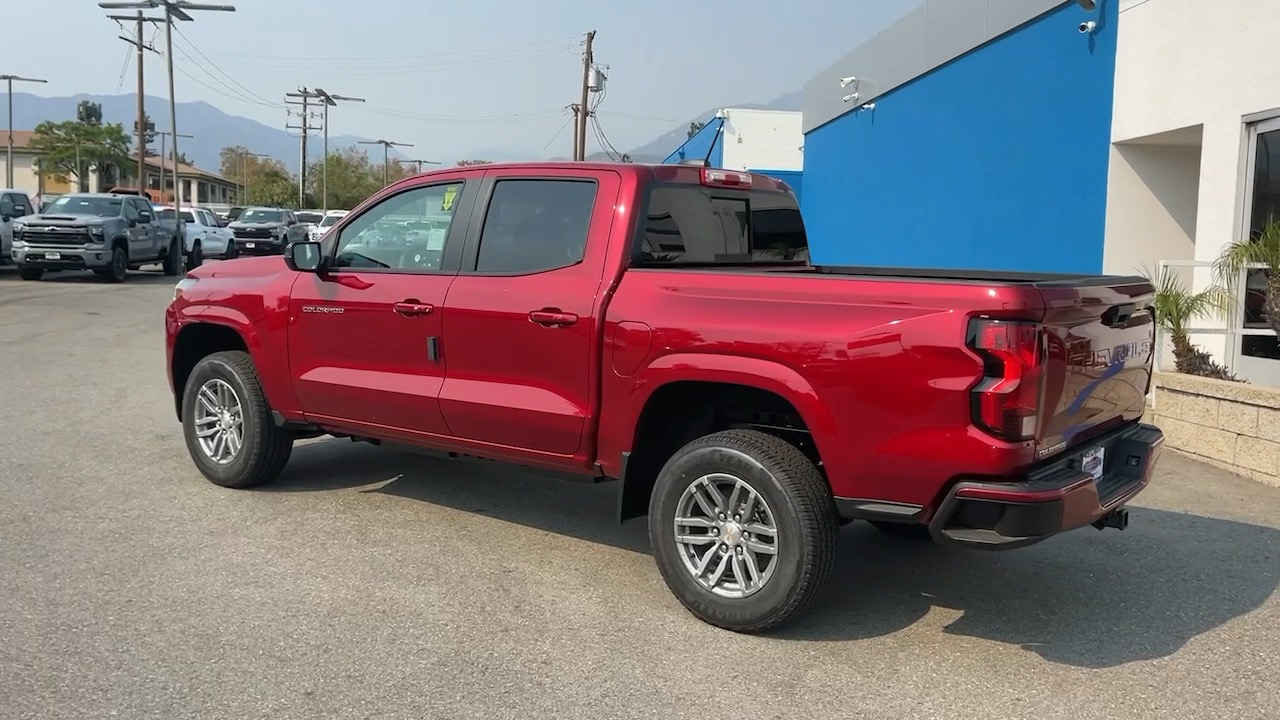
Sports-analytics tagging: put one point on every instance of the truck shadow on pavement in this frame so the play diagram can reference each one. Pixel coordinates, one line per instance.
(138, 277)
(1088, 599)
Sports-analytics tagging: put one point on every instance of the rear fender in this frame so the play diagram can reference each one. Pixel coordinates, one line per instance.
(736, 370)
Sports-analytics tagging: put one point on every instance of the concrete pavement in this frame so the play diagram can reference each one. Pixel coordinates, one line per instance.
(371, 584)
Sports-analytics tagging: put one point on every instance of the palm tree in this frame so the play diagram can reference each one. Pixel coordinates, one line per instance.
(1263, 248)
(1176, 308)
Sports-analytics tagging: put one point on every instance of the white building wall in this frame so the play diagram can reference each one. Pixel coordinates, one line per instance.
(763, 140)
(1187, 67)
(25, 177)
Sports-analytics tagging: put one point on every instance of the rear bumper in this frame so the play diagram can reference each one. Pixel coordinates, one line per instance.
(1053, 498)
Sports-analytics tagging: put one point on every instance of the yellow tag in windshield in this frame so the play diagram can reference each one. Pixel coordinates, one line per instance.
(450, 194)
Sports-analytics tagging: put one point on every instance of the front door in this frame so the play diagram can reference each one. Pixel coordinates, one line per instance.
(520, 319)
(365, 336)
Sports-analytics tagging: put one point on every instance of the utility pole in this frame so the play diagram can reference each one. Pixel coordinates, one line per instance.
(8, 162)
(173, 10)
(177, 185)
(302, 98)
(139, 22)
(386, 151)
(420, 163)
(576, 109)
(326, 101)
(580, 151)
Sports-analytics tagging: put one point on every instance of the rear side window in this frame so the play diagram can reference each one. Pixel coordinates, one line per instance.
(536, 225)
(696, 225)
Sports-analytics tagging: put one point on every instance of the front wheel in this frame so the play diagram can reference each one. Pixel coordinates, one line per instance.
(118, 270)
(227, 423)
(743, 529)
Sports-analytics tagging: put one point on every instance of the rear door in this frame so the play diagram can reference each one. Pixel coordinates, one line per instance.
(365, 337)
(1099, 357)
(520, 321)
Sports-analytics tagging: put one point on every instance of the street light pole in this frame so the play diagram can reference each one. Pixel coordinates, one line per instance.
(386, 151)
(328, 100)
(8, 162)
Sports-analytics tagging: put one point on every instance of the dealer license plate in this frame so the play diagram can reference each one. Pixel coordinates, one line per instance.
(53, 256)
(249, 245)
(1092, 461)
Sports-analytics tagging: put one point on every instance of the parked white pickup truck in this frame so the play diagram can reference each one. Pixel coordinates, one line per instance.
(204, 237)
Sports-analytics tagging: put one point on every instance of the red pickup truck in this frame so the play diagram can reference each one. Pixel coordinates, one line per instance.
(661, 326)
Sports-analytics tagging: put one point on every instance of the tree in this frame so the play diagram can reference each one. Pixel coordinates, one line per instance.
(352, 178)
(1176, 308)
(695, 127)
(1261, 248)
(469, 163)
(265, 180)
(148, 132)
(69, 148)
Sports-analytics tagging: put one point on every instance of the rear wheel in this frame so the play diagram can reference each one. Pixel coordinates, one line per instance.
(743, 529)
(227, 423)
(30, 273)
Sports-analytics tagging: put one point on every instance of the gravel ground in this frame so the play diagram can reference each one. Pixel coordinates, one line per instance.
(371, 584)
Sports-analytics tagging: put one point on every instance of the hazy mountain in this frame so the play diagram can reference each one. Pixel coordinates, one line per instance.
(664, 145)
(212, 128)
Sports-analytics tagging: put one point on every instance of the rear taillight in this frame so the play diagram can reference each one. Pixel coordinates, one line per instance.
(1006, 402)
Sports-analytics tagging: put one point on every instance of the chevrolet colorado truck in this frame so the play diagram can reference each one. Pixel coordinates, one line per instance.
(661, 327)
(103, 232)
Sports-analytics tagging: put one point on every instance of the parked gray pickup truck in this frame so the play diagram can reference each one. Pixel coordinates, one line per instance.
(106, 233)
(266, 230)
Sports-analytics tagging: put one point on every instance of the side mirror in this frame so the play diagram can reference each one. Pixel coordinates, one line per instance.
(303, 256)
(5, 218)
(132, 222)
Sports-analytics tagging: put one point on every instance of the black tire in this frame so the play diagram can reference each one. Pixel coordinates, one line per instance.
(265, 448)
(196, 258)
(804, 516)
(230, 253)
(30, 273)
(902, 531)
(118, 270)
(172, 264)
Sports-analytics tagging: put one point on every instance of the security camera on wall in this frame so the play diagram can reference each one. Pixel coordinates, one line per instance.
(1087, 5)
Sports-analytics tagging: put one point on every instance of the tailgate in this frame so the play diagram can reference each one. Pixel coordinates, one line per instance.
(1101, 342)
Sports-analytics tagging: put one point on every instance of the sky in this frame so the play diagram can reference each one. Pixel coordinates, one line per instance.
(456, 78)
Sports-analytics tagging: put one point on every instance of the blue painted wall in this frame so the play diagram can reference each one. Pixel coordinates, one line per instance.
(997, 160)
(696, 147)
(793, 178)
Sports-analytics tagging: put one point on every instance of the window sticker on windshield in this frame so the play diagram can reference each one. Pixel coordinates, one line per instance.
(450, 194)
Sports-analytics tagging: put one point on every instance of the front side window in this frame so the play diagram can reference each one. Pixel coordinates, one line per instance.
(406, 231)
(536, 225)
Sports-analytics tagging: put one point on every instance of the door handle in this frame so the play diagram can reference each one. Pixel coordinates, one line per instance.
(552, 318)
(412, 308)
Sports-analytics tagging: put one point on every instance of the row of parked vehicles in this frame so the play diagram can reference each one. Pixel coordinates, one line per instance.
(111, 233)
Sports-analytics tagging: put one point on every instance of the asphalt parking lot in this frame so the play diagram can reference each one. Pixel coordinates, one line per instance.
(371, 584)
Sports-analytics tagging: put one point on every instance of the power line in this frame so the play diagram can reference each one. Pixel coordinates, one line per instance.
(302, 98)
(214, 65)
(580, 152)
(338, 58)
(399, 68)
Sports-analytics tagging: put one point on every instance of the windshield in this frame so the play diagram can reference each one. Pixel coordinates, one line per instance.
(307, 217)
(82, 205)
(261, 216)
(329, 220)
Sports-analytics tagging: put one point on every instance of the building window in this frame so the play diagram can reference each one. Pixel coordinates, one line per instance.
(1264, 203)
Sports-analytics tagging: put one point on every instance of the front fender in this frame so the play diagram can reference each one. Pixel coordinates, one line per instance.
(705, 367)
